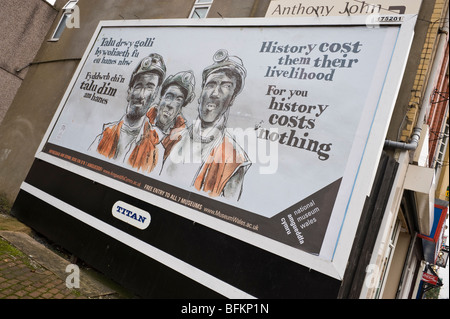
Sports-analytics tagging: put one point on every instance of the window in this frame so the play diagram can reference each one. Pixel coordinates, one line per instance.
(442, 147)
(385, 278)
(70, 6)
(200, 9)
(68, 10)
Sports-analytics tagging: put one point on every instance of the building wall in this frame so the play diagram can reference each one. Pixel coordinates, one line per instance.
(381, 252)
(238, 9)
(426, 60)
(442, 191)
(405, 111)
(396, 266)
(52, 69)
(23, 25)
(438, 115)
(431, 65)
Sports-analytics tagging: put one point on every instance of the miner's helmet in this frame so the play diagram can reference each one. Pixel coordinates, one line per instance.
(223, 62)
(185, 80)
(153, 63)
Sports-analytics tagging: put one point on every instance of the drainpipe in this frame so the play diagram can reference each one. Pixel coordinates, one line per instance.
(415, 137)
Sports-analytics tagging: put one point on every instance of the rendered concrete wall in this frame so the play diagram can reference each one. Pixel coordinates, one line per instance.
(24, 25)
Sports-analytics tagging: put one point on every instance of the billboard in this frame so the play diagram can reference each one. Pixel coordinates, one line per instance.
(261, 131)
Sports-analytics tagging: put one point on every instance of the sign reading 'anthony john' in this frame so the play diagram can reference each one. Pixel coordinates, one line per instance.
(260, 127)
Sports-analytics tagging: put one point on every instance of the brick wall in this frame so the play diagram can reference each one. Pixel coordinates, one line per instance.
(424, 69)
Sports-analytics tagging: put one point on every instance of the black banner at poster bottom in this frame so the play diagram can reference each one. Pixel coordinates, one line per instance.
(302, 225)
(234, 262)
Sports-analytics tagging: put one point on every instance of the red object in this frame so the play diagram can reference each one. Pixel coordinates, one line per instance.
(429, 278)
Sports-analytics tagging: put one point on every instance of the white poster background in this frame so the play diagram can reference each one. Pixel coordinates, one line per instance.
(300, 172)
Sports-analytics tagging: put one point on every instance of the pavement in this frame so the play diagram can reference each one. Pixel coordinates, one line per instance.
(31, 269)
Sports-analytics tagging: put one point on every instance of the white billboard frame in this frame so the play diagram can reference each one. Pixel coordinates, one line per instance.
(333, 267)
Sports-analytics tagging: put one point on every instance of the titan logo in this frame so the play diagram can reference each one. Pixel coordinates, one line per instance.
(131, 215)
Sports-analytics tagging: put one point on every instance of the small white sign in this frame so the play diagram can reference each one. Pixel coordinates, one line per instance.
(131, 215)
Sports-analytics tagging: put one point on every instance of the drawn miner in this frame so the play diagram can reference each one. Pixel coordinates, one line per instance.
(166, 122)
(117, 138)
(207, 151)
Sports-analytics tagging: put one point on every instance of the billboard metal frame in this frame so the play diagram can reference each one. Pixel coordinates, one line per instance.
(334, 267)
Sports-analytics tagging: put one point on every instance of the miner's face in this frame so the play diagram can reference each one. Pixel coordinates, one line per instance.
(170, 106)
(142, 94)
(216, 97)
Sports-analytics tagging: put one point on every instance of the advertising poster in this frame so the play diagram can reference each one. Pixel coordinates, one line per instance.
(260, 127)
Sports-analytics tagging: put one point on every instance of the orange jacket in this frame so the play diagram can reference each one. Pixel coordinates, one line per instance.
(110, 138)
(220, 166)
(145, 155)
